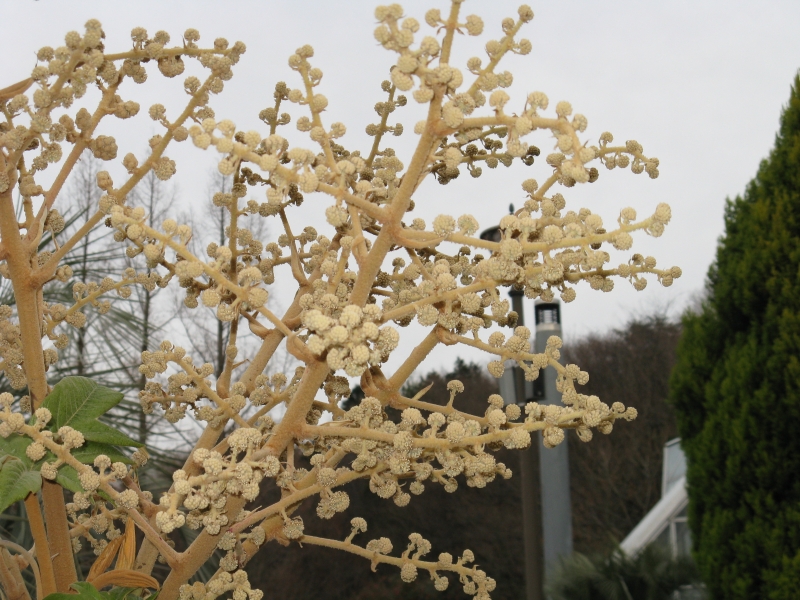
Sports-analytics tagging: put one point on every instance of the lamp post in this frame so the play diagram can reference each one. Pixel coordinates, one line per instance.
(553, 462)
(512, 388)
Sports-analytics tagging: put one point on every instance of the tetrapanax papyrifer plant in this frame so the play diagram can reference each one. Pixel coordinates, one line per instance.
(376, 267)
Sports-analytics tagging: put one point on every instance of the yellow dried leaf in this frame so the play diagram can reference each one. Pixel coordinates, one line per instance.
(18, 88)
(125, 578)
(127, 553)
(105, 559)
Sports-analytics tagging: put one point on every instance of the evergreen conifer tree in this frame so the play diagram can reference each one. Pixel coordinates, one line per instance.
(736, 388)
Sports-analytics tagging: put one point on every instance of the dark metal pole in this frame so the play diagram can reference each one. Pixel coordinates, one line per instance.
(531, 488)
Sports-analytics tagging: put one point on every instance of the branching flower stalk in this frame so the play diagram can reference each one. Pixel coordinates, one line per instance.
(378, 268)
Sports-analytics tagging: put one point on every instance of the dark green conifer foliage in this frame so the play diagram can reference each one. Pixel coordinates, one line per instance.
(736, 388)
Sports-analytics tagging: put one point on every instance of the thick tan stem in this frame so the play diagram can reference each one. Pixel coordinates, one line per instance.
(268, 346)
(272, 522)
(42, 545)
(197, 554)
(396, 210)
(18, 260)
(450, 26)
(11, 579)
(289, 427)
(45, 273)
(148, 553)
(272, 527)
(146, 558)
(317, 371)
(58, 535)
(414, 359)
(295, 416)
(30, 325)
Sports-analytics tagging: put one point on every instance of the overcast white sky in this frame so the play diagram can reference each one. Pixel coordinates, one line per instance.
(699, 83)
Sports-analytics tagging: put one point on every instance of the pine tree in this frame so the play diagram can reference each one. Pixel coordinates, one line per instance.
(737, 387)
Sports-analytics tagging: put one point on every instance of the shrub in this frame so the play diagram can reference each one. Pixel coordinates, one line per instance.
(735, 387)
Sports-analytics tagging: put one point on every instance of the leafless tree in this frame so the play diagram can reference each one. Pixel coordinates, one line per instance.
(616, 479)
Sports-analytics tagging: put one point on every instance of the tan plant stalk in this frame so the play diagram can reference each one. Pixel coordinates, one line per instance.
(39, 533)
(377, 267)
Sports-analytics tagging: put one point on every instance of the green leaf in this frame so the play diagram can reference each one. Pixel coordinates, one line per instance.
(78, 402)
(120, 593)
(76, 399)
(91, 450)
(17, 480)
(68, 479)
(15, 445)
(100, 432)
(85, 590)
(13, 448)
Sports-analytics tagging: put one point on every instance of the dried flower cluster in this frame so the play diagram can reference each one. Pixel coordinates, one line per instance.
(377, 269)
